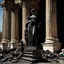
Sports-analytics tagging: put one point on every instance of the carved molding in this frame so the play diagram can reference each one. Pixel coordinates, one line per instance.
(11, 5)
(32, 4)
(7, 3)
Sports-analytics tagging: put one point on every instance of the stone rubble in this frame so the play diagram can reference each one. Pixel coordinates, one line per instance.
(15, 56)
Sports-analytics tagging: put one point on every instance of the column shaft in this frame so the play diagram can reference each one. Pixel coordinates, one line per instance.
(24, 17)
(14, 29)
(51, 21)
(6, 29)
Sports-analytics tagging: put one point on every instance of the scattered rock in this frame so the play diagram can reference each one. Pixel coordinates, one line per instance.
(9, 56)
(14, 61)
(21, 54)
(1, 55)
(3, 59)
(62, 50)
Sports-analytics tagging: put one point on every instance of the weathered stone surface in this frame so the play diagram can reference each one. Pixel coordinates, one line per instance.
(1, 54)
(14, 61)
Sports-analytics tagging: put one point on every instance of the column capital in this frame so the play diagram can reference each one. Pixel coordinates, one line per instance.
(15, 8)
(24, 4)
(4, 8)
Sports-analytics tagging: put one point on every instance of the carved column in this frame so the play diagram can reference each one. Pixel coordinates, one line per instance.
(6, 28)
(24, 17)
(51, 42)
(14, 29)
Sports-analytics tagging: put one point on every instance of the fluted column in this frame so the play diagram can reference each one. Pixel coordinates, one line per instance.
(6, 28)
(51, 42)
(14, 29)
(24, 17)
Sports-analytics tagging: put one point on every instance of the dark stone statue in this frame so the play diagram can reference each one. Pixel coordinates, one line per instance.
(31, 29)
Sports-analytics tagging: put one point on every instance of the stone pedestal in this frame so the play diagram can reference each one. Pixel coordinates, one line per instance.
(14, 29)
(6, 29)
(32, 54)
(14, 44)
(51, 42)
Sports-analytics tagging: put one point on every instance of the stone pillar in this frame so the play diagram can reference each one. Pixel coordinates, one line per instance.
(24, 17)
(14, 29)
(51, 42)
(6, 28)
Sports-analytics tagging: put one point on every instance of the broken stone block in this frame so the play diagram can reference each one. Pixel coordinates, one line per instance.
(1, 54)
(9, 56)
(14, 58)
(62, 50)
(15, 53)
(21, 54)
(3, 59)
(14, 61)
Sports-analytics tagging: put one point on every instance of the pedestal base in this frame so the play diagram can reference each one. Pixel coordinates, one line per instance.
(32, 54)
(53, 47)
(4, 44)
(14, 44)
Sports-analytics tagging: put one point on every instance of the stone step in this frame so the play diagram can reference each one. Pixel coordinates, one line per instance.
(31, 49)
(28, 55)
(31, 52)
(29, 59)
(28, 52)
(31, 56)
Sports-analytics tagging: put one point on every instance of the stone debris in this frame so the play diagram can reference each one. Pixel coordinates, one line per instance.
(15, 56)
(51, 57)
(62, 50)
(1, 55)
(14, 61)
(9, 56)
(3, 59)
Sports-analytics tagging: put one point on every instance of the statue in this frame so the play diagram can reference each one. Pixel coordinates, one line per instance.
(31, 39)
(31, 29)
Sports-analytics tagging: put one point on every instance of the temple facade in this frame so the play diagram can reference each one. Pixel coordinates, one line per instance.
(15, 13)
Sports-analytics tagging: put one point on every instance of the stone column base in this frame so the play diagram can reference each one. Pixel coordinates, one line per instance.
(4, 44)
(14, 44)
(53, 47)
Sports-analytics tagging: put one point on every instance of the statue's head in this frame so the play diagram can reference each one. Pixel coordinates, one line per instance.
(32, 11)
